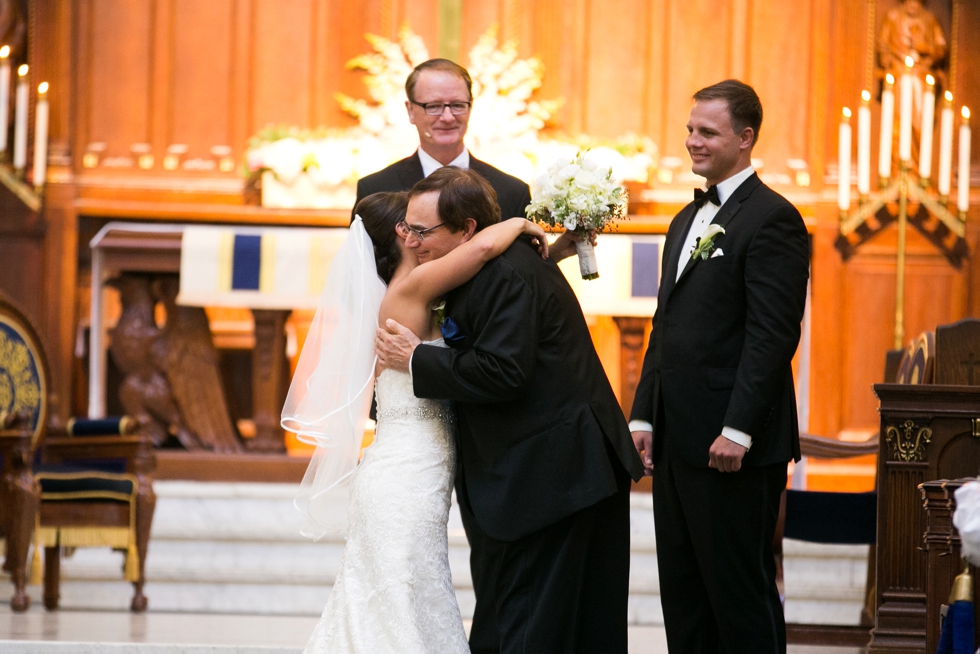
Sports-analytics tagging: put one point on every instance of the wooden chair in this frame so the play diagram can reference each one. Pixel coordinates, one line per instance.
(91, 487)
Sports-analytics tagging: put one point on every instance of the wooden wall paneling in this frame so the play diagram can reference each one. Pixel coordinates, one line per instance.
(777, 65)
(281, 63)
(423, 17)
(699, 55)
(935, 294)
(826, 338)
(966, 87)
(349, 23)
(740, 45)
(656, 64)
(52, 61)
(546, 42)
(59, 283)
(199, 111)
(242, 52)
(614, 96)
(118, 83)
(478, 17)
(162, 39)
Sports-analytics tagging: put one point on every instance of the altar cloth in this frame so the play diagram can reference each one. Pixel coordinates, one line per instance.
(260, 268)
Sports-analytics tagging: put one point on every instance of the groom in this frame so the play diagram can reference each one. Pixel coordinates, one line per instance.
(715, 410)
(544, 452)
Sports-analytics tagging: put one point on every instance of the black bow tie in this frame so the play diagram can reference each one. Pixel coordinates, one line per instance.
(711, 195)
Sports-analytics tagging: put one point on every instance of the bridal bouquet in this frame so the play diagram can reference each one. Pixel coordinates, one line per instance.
(582, 197)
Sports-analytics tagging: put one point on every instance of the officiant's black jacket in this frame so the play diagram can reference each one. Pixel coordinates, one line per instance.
(534, 406)
(513, 195)
(725, 333)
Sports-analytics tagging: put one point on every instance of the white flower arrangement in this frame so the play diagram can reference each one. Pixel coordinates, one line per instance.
(504, 127)
(580, 196)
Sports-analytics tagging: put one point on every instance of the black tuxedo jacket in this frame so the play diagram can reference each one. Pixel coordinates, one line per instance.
(534, 406)
(513, 195)
(725, 333)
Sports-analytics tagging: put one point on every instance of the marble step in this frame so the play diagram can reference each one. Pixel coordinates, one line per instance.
(236, 548)
(51, 647)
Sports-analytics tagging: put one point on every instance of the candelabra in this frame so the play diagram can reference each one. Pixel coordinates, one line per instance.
(910, 189)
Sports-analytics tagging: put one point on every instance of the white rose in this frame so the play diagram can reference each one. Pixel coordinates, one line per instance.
(571, 223)
(569, 172)
(588, 164)
(285, 158)
(584, 179)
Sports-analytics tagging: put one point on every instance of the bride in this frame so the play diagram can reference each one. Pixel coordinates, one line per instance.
(394, 591)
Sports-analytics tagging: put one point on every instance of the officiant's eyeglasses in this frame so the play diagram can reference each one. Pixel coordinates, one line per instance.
(407, 229)
(436, 108)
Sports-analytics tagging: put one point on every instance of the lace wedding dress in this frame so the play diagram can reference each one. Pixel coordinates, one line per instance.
(394, 592)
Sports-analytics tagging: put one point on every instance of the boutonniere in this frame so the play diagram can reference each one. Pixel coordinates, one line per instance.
(440, 311)
(706, 244)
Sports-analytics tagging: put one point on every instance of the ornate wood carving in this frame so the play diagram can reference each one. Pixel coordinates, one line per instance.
(144, 393)
(20, 495)
(908, 441)
(187, 355)
(631, 331)
(270, 380)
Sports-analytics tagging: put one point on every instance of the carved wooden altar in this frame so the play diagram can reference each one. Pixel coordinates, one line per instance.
(927, 432)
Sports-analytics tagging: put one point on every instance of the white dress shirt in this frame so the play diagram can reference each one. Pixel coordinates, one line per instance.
(430, 165)
(702, 219)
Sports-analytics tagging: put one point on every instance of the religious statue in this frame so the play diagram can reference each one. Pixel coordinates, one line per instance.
(911, 30)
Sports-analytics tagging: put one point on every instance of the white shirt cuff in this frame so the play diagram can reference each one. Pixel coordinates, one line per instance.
(410, 375)
(640, 425)
(737, 436)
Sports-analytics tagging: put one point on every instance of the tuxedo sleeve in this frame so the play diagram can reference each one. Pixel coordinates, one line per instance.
(776, 272)
(500, 363)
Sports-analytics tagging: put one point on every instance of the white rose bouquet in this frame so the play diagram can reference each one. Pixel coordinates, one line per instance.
(582, 197)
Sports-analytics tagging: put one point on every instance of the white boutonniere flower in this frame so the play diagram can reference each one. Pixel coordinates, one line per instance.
(439, 310)
(706, 244)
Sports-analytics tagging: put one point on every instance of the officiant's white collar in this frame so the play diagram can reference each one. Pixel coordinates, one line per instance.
(430, 165)
(729, 186)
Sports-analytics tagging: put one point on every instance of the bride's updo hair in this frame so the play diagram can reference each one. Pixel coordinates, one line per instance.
(380, 213)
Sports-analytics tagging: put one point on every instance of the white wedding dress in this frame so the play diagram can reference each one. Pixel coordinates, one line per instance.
(394, 592)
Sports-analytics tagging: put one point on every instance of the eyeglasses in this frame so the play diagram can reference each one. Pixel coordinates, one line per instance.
(436, 108)
(407, 229)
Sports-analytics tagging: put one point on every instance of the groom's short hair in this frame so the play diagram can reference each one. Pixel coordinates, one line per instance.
(744, 106)
(462, 194)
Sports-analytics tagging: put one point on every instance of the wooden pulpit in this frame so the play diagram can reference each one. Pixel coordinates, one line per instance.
(927, 432)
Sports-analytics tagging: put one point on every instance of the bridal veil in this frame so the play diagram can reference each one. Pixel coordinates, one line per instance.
(330, 395)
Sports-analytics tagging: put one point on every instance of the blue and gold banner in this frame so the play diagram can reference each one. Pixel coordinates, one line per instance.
(270, 268)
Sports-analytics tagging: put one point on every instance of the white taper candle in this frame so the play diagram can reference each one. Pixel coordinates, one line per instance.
(20, 120)
(864, 144)
(887, 124)
(41, 136)
(928, 122)
(963, 180)
(4, 95)
(945, 147)
(905, 114)
(844, 161)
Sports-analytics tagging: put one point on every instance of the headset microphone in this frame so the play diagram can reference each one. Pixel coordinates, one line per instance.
(428, 135)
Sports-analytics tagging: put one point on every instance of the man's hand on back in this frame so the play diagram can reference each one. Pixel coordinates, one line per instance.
(394, 346)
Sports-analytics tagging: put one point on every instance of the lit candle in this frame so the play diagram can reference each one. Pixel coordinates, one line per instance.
(905, 114)
(4, 95)
(963, 182)
(844, 161)
(945, 146)
(20, 120)
(864, 144)
(928, 119)
(887, 122)
(41, 136)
